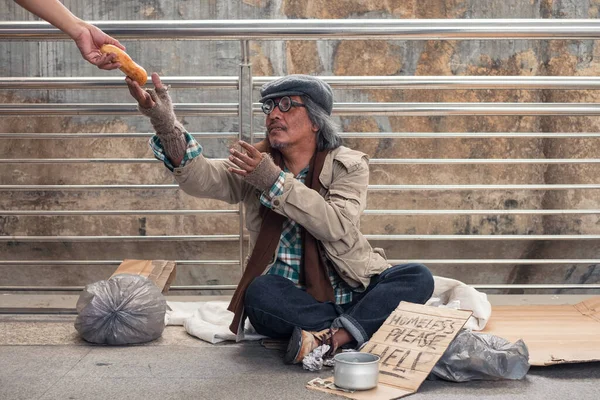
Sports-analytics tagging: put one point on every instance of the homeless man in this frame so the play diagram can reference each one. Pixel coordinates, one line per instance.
(311, 275)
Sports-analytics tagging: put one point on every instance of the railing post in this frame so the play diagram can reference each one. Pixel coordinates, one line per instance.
(245, 120)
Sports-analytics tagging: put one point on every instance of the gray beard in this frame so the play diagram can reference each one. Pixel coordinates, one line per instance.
(277, 146)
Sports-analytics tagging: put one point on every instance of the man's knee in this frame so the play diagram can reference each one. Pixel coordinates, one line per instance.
(261, 289)
(425, 280)
(420, 270)
(420, 277)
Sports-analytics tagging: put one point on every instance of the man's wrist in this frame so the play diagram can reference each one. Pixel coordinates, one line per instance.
(265, 174)
(162, 120)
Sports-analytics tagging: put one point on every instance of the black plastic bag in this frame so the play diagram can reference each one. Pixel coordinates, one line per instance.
(124, 309)
(479, 356)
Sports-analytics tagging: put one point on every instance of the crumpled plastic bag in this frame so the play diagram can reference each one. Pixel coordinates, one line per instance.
(124, 309)
(480, 356)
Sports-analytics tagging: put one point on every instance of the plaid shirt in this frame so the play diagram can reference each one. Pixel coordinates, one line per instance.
(290, 249)
(289, 255)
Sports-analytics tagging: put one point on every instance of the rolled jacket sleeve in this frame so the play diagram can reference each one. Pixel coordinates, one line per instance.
(266, 198)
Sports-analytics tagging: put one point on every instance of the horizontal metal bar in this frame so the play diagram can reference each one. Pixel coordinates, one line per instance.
(104, 135)
(366, 212)
(294, 29)
(113, 212)
(204, 287)
(448, 109)
(516, 261)
(84, 160)
(179, 82)
(399, 109)
(336, 82)
(233, 287)
(229, 238)
(458, 135)
(109, 262)
(463, 161)
(87, 187)
(374, 161)
(483, 187)
(182, 109)
(371, 187)
(80, 288)
(354, 135)
(159, 238)
(41, 288)
(480, 237)
(452, 82)
(37, 310)
(79, 161)
(563, 286)
(480, 212)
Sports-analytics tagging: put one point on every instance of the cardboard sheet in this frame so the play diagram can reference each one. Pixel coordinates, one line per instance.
(554, 334)
(410, 342)
(161, 272)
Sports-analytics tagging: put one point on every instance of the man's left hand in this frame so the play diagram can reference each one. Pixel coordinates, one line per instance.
(246, 162)
(255, 167)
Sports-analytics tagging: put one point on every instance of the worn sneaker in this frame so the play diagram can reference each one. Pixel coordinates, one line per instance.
(303, 343)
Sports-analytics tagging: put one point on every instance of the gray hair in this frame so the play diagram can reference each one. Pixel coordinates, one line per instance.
(327, 136)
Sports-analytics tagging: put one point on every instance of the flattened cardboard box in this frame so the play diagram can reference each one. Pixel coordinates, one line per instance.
(554, 334)
(161, 272)
(410, 343)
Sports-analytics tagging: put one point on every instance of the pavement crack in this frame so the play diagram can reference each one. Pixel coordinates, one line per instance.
(65, 374)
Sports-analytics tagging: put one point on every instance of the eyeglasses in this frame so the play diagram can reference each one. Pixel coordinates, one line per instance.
(284, 104)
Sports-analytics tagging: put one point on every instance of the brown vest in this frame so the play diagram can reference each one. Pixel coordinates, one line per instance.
(313, 271)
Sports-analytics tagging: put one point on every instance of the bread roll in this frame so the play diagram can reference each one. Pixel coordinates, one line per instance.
(128, 66)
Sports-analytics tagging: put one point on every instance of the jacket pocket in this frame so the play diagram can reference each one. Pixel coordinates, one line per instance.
(377, 262)
(353, 262)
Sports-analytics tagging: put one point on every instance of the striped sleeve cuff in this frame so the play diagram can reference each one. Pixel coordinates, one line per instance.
(276, 190)
(193, 150)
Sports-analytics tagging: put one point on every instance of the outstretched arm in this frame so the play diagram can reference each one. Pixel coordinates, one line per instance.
(87, 37)
(156, 104)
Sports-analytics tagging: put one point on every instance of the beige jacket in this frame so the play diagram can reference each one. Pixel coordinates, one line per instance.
(333, 217)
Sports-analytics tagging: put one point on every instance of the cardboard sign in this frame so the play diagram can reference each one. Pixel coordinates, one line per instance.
(409, 343)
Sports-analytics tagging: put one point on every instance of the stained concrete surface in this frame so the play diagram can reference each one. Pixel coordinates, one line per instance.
(41, 357)
(232, 371)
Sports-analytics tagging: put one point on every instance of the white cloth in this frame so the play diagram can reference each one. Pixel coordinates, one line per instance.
(455, 294)
(207, 320)
(210, 320)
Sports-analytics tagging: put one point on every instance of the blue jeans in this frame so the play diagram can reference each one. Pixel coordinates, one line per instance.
(275, 305)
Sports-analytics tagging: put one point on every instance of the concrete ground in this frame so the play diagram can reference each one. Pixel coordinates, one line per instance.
(41, 357)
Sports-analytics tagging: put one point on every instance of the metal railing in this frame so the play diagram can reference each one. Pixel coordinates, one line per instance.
(244, 83)
(347, 29)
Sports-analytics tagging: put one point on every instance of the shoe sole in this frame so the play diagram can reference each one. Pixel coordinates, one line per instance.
(294, 346)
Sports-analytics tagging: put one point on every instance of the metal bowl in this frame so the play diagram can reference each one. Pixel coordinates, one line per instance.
(356, 371)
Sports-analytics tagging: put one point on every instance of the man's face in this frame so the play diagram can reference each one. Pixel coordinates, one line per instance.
(285, 129)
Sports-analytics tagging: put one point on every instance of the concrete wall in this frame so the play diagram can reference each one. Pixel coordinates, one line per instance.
(406, 58)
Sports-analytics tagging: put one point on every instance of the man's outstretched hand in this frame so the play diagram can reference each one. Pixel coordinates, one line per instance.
(145, 98)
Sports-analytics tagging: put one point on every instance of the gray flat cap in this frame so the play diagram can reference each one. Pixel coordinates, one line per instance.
(300, 85)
